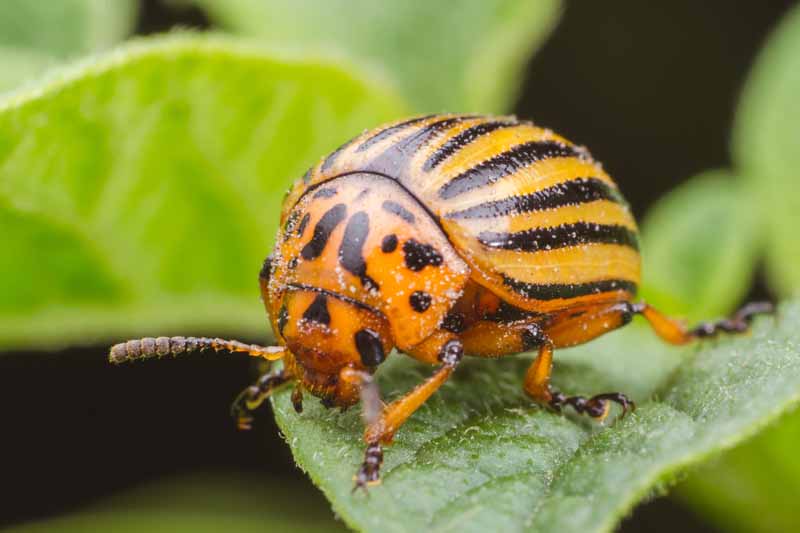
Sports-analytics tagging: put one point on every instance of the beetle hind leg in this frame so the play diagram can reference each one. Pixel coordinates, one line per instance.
(674, 331)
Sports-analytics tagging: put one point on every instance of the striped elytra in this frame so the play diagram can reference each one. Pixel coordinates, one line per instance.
(405, 220)
(442, 236)
(536, 219)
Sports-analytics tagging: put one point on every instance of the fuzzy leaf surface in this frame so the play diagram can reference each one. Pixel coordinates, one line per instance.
(480, 456)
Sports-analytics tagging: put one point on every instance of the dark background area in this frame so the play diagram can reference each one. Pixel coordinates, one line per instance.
(650, 87)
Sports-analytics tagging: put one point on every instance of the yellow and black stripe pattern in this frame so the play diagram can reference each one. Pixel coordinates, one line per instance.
(538, 220)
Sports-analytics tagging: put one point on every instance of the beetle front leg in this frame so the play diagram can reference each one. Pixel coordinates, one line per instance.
(383, 421)
(253, 396)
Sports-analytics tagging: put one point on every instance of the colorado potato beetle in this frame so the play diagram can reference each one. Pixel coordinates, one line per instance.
(441, 236)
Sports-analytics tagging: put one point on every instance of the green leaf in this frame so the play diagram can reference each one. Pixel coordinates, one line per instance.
(480, 456)
(200, 503)
(766, 140)
(142, 189)
(754, 487)
(700, 247)
(466, 55)
(65, 28)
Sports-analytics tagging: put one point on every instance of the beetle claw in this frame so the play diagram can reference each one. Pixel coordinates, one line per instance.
(597, 407)
(369, 473)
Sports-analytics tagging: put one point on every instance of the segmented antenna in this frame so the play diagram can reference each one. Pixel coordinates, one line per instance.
(149, 347)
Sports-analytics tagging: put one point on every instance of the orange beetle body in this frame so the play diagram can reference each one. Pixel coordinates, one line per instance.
(442, 236)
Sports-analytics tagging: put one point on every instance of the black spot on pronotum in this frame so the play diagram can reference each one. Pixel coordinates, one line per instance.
(397, 209)
(291, 224)
(325, 192)
(350, 250)
(419, 255)
(266, 270)
(420, 301)
(301, 228)
(318, 311)
(292, 264)
(389, 243)
(283, 318)
(322, 231)
(370, 348)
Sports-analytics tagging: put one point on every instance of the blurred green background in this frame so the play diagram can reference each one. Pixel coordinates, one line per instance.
(108, 237)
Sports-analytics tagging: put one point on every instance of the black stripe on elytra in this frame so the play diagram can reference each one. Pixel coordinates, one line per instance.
(331, 159)
(554, 291)
(318, 311)
(397, 209)
(351, 255)
(322, 231)
(388, 132)
(573, 192)
(506, 313)
(462, 139)
(396, 156)
(336, 295)
(536, 239)
(370, 347)
(419, 255)
(503, 164)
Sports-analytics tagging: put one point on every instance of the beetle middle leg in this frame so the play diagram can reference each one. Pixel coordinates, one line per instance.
(573, 326)
(382, 422)
(537, 386)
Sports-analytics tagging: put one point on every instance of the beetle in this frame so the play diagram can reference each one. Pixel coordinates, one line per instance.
(443, 235)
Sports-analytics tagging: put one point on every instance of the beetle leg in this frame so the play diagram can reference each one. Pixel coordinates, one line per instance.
(383, 421)
(297, 398)
(537, 383)
(675, 332)
(537, 378)
(598, 406)
(253, 396)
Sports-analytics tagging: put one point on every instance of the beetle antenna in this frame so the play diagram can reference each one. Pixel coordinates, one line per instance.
(149, 347)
